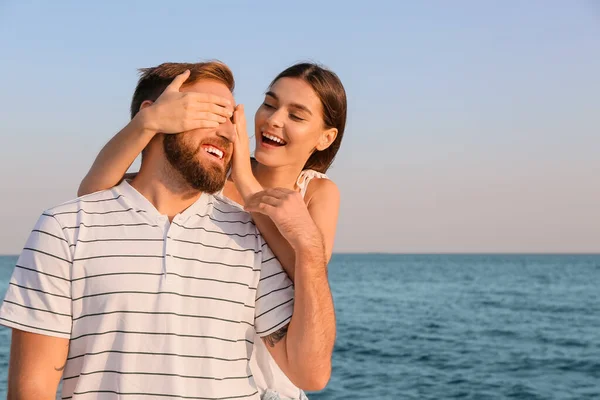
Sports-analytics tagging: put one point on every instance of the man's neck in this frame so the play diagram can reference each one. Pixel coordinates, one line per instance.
(165, 188)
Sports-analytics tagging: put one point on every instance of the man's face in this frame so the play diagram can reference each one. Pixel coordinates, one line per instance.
(203, 156)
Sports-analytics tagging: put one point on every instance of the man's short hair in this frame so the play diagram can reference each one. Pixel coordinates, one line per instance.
(153, 81)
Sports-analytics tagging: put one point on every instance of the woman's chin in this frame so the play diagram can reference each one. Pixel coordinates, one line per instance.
(265, 159)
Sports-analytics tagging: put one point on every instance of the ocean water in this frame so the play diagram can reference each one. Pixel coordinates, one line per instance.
(455, 327)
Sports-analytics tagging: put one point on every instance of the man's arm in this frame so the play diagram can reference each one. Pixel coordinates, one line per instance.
(36, 365)
(302, 349)
(38, 307)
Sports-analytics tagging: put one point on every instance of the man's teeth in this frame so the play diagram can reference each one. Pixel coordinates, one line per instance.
(273, 138)
(214, 151)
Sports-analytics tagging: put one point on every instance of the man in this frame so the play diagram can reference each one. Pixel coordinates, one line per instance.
(154, 289)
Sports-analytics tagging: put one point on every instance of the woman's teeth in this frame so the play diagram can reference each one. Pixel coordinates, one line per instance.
(273, 138)
(214, 151)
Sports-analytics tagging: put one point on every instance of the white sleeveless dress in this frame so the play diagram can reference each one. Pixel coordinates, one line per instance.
(272, 383)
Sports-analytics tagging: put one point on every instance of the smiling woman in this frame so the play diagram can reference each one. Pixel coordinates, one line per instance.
(302, 134)
(298, 131)
(310, 93)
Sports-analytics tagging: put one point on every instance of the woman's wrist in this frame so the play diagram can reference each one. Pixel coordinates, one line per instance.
(144, 124)
(247, 185)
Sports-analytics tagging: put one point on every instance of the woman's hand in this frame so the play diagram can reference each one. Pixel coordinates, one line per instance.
(172, 112)
(241, 169)
(175, 111)
(287, 210)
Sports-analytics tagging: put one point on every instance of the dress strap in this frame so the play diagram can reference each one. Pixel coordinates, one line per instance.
(305, 177)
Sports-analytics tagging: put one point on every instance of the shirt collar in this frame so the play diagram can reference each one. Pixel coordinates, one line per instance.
(139, 202)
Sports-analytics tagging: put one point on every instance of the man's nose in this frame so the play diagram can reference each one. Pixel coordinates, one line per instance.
(226, 130)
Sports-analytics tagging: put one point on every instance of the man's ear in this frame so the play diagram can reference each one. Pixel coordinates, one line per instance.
(146, 103)
(327, 138)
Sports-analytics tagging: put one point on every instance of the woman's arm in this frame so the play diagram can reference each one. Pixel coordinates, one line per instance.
(117, 155)
(172, 112)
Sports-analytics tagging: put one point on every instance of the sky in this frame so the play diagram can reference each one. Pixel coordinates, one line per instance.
(472, 126)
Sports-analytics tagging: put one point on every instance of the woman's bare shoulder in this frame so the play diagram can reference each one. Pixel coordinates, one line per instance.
(321, 188)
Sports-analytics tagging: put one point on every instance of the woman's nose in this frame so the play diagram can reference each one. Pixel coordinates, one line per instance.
(276, 119)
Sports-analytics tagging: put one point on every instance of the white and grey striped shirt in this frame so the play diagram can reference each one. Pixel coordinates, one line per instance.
(152, 309)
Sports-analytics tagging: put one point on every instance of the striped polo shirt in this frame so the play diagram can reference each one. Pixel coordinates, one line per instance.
(153, 309)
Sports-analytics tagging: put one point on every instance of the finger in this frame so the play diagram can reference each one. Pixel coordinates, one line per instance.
(264, 199)
(235, 116)
(255, 197)
(217, 109)
(236, 128)
(239, 122)
(211, 107)
(208, 116)
(278, 193)
(178, 81)
(199, 124)
(207, 124)
(262, 208)
(211, 98)
(240, 117)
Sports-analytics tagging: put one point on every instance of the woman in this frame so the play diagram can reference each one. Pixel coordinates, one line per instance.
(298, 129)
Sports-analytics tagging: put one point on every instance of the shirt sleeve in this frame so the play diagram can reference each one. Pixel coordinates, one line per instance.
(38, 298)
(274, 295)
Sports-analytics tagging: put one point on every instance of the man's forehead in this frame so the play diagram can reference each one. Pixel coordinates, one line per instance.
(209, 86)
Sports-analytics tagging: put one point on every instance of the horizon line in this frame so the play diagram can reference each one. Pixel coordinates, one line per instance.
(433, 253)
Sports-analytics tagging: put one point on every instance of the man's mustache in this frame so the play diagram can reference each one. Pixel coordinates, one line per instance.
(219, 142)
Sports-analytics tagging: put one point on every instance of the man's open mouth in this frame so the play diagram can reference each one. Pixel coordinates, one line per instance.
(213, 151)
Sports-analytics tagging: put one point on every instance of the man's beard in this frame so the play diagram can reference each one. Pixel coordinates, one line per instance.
(210, 178)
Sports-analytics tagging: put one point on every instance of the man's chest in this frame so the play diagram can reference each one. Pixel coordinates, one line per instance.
(165, 273)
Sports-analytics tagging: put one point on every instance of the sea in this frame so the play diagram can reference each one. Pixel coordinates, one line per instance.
(454, 327)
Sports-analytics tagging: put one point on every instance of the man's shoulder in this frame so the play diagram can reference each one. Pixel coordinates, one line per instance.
(92, 201)
(225, 205)
(234, 220)
(59, 221)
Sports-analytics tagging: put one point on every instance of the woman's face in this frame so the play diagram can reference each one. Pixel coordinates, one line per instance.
(289, 124)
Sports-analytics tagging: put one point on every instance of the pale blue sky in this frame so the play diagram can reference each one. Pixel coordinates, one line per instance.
(473, 126)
